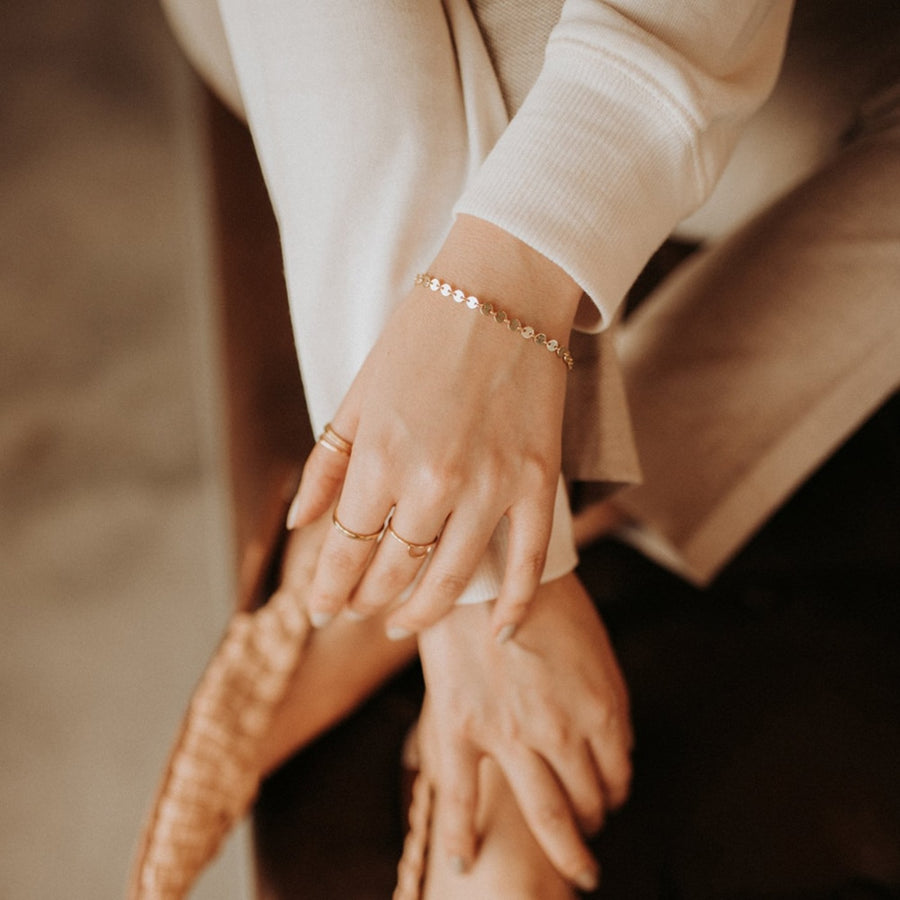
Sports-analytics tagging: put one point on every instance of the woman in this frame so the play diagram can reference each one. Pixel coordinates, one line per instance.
(450, 423)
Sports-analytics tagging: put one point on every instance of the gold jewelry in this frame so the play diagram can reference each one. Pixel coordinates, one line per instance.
(498, 315)
(331, 440)
(354, 535)
(416, 551)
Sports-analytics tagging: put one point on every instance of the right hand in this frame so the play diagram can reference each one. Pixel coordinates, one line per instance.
(550, 707)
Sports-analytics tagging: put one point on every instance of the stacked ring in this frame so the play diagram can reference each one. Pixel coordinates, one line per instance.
(331, 440)
(416, 551)
(354, 535)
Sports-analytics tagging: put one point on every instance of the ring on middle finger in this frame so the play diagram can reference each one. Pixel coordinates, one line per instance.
(416, 551)
(354, 535)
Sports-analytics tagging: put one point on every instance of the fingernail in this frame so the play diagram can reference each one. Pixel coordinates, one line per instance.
(458, 865)
(320, 619)
(396, 633)
(587, 880)
(293, 513)
(354, 615)
(505, 633)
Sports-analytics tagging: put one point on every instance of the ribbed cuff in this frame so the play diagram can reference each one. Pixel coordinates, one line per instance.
(601, 209)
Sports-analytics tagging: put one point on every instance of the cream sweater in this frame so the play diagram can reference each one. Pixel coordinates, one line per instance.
(635, 112)
(374, 122)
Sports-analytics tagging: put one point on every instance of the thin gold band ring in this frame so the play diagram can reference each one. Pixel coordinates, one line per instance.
(416, 551)
(331, 440)
(354, 535)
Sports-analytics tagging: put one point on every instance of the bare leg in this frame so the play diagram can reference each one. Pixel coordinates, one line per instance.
(509, 861)
(342, 664)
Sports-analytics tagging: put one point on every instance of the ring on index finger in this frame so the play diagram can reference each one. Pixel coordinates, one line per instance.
(331, 440)
(416, 551)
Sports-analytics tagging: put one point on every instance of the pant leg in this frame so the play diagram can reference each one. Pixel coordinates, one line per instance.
(757, 359)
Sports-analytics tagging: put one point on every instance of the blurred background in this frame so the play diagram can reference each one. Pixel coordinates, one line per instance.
(114, 559)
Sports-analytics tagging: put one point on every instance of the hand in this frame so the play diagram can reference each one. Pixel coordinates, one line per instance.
(455, 422)
(550, 707)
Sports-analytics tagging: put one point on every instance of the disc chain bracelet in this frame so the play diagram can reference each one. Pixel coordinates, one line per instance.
(498, 315)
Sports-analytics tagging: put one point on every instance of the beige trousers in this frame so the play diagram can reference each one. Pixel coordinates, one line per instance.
(747, 368)
(752, 364)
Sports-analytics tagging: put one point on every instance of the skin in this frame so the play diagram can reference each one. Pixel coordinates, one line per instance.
(455, 423)
(550, 708)
(510, 863)
(528, 739)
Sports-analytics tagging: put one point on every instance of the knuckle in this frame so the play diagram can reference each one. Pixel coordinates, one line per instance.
(533, 563)
(467, 730)
(510, 730)
(557, 732)
(493, 469)
(448, 585)
(604, 716)
(341, 557)
(540, 470)
(438, 478)
(389, 582)
(460, 799)
(376, 462)
(437, 482)
(553, 813)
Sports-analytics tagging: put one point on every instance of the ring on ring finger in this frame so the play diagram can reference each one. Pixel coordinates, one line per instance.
(416, 551)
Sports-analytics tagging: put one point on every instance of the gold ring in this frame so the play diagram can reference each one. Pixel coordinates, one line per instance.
(331, 440)
(354, 535)
(416, 551)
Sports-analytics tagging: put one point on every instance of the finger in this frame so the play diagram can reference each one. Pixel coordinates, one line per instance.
(576, 769)
(456, 804)
(452, 565)
(611, 734)
(623, 701)
(320, 484)
(342, 560)
(299, 561)
(611, 749)
(529, 535)
(549, 817)
(401, 554)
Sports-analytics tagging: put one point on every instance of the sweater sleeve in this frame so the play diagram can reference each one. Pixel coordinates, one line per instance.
(625, 132)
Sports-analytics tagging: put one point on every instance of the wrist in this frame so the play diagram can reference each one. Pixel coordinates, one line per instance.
(490, 263)
(465, 625)
(499, 316)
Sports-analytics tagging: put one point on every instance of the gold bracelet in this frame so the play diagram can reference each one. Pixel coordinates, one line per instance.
(498, 315)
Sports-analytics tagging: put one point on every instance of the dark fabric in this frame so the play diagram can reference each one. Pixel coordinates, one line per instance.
(767, 712)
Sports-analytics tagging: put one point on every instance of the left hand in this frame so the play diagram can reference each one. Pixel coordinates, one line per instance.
(455, 422)
(550, 707)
